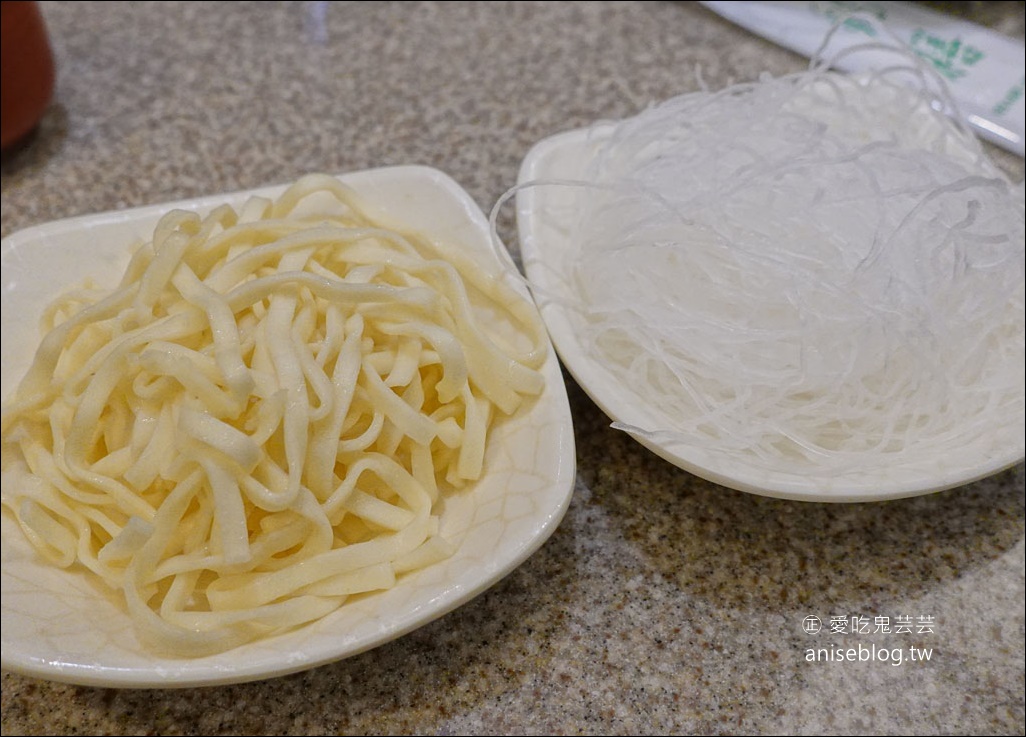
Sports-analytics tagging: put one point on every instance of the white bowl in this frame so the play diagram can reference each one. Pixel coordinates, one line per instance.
(546, 214)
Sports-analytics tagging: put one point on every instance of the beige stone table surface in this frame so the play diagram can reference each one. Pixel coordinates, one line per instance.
(663, 603)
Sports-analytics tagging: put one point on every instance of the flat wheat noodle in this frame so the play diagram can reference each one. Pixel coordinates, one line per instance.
(258, 421)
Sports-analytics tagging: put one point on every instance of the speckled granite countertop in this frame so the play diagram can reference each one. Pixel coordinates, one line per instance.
(663, 603)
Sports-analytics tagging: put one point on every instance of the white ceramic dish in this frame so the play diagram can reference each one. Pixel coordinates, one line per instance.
(545, 214)
(61, 626)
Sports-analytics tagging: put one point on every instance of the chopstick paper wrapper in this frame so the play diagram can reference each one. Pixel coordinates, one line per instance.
(983, 69)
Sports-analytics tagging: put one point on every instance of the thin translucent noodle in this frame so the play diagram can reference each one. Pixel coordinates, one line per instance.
(807, 275)
(261, 419)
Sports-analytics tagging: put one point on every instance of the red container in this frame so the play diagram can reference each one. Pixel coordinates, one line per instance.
(26, 70)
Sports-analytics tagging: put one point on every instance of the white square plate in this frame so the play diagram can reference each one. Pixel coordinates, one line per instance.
(62, 626)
